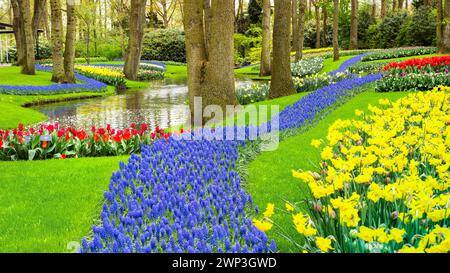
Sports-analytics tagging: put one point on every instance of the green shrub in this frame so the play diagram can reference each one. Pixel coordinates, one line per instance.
(164, 45)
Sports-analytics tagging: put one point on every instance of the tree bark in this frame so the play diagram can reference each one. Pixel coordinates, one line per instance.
(210, 74)
(69, 52)
(400, 4)
(18, 32)
(218, 87)
(439, 29)
(265, 69)
(317, 13)
(207, 23)
(301, 29)
(374, 9)
(133, 55)
(28, 61)
(394, 5)
(294, 25)
(325, 22)
(335, 30)
(57, 41)
(281, 84)
(39, 12)
(383, 9)
(446, 28)
(354, 25)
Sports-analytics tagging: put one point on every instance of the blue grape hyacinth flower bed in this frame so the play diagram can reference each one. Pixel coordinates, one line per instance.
(87, 85)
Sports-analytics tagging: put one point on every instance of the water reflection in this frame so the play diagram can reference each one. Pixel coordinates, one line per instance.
(162, 104)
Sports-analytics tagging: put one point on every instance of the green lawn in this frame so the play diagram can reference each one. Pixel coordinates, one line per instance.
(13, 114)
(12, 76)
(329, 65)
(47, 204)
(270, 178)
(250, 72)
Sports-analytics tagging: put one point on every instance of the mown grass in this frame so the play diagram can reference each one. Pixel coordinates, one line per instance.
(47, 204)
(270, 178)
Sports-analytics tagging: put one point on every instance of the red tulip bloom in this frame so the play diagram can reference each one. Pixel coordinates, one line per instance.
(63, 156)
(20, 127)
(81, 135)
(44, 145)
(96, 138)
(61, 132)
(1, 144)
(117, 138)
(101, 131)
(127, 135)
(31, 130)
(144, 127)
(108, 127)
(93, 129)
(133, 125)
(106, 138)
(67, 136)
(50, 128)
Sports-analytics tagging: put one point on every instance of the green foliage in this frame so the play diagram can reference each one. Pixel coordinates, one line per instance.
(421, 30)
(45, 51)
(255, 12)
(398, 53)
(389, 29)
(164, 45)
(367, 67)
(246, 45)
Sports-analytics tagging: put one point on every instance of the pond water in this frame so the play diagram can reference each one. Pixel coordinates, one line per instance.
(162, 104)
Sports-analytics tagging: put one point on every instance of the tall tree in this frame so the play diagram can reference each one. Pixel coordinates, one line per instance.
(39, 13)
(383, 9)
(301, 29)
(28, 41)
(295, 25)
(394, 5)
(210, 68)
(324, 24)
(57, 41)
(335, 30)
(265, 68)
(317, 16)
(446, 28)
(400, 4)
(354, 25)
(136, 36)
(18, 31)
(373, 10)
(439, 23)
(281, 84)
(69, 52)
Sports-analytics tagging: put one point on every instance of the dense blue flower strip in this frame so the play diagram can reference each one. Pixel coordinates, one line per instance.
(180, 196)
(345, 65)
(88, 85)
(305, 110)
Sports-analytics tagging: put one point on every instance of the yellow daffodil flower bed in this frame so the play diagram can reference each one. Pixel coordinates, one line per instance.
(103, 74)
(384, 181)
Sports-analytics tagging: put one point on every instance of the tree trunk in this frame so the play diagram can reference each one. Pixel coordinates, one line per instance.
(218, 86)
(439, 29)
(265, 69)
(207, 23)
(57, 41)
(294, 25)
(39, 12)
(28, 63)
(325, 22)
(317, 12)
(400, 4)
(69, 52)
(446, 28)
(374, 9)
(195, 47)
(133, 55)
(335, 30)
(394, 5)
(354, 26)
(18, 31)
(301, 29)
(383, 9)
(281, 84)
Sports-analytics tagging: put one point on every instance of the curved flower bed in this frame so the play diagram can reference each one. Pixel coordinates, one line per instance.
(398, 53)
(88, 85)
(200, 206)
(50, 141)
(383, 185)
(415, 75)
(345, 65)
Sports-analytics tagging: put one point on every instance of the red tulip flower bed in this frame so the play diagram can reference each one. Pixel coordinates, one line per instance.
(421, 63)
(50, 141)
